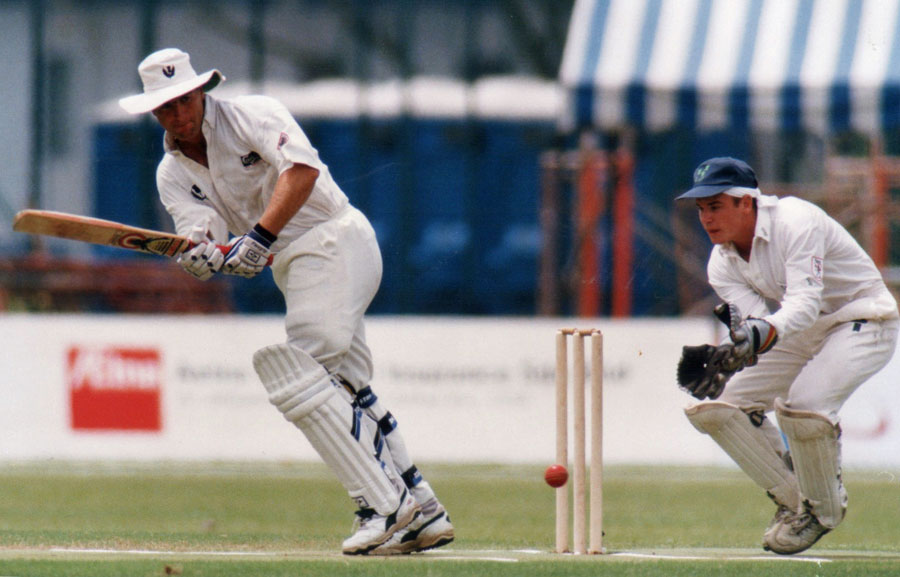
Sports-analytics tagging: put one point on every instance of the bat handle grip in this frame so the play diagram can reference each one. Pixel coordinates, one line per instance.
(225, 248)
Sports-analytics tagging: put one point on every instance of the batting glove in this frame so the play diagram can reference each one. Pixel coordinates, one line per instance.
(249, 253)
(205, 259)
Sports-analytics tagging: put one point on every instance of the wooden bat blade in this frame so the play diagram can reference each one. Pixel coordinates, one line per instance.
(99, 231)
(105, 232)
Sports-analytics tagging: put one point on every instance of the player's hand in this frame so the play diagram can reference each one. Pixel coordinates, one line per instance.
(205, 259)
(249, 253)
(751, 337)
(704, 370)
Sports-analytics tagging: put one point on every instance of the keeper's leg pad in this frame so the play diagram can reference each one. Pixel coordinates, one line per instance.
(749, 445)
(815, 443)
(307, 397)
(387, 425)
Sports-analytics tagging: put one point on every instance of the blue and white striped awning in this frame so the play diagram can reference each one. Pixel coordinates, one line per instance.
(820, 65)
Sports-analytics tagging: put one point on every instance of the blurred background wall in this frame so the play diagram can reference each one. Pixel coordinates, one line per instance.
(517, 157)
(431, 116)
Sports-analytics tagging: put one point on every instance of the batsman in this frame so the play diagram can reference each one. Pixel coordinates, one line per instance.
(809, 320)
(243, 168)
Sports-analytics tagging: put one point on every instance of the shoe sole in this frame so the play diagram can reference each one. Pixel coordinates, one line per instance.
(766, 546)
(438, 540)
(412, 542)
(400, 523)
(439, 543)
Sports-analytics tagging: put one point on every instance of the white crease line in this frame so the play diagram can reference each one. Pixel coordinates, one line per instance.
(450, 556)
(150, 552)
(717, 558)
(488, 551)
(462, 558)
(454, 555)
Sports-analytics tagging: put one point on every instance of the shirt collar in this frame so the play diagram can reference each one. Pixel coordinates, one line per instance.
(764, 207)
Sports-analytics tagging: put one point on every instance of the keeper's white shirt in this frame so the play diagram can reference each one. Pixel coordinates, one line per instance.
(250, 141)
(805, 270)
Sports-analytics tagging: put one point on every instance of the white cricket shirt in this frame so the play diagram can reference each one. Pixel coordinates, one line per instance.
(250, 140)
(805, 269)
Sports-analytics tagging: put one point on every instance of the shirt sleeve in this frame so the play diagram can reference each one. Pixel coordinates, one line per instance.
(803, 242)
(275, 134)
(729, 286)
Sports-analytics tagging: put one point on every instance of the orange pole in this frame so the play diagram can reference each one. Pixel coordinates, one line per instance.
(623, 237)
(588, 210)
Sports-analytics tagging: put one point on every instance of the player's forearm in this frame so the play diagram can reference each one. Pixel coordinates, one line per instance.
(292, 190)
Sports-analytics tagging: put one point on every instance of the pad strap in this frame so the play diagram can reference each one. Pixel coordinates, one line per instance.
(387, 424)
(365, 398)
(412, 477)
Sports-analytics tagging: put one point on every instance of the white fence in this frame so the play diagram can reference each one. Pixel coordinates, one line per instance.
(463, 390)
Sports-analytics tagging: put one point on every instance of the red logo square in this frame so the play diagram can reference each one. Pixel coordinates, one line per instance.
(114, 388)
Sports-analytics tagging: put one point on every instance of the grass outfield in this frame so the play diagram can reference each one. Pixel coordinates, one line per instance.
(223, 519)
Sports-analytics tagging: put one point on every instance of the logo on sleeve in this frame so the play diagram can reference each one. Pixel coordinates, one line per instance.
(250, 159)
(282, 139)
(818, 268)
(197, 193)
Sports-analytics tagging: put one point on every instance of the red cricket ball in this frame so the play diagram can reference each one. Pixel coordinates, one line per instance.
(556, 475)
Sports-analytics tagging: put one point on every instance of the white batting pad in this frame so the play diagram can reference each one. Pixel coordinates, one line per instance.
(816, 447)
(303, 391)
(749, 446)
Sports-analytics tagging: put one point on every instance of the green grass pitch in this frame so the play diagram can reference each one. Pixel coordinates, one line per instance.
(216, 519)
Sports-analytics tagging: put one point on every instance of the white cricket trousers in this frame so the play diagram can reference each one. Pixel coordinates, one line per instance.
(815, 370)
(329, 276)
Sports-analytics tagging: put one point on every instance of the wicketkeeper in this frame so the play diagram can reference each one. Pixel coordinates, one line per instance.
(244, 167)
(810, 319)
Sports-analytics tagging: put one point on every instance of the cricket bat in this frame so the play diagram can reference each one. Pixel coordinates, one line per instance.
(105, 232)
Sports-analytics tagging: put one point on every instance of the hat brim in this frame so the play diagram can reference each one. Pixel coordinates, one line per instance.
(147, 101)
(705, 191)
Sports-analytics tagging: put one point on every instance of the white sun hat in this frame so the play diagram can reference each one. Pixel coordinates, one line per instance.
(167, 74)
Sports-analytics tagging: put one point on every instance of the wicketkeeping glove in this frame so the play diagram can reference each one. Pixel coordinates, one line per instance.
(205, 259)
(703, 370)
(249, 253)
(751, 337)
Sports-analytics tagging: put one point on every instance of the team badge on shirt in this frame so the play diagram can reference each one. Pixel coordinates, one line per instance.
(250, 159)
(282, 139)
(197, 193)
(818, 268)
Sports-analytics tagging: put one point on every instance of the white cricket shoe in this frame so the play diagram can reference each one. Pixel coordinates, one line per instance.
(375, 529)
(794, 533)
(781, 515)
(429, 531)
